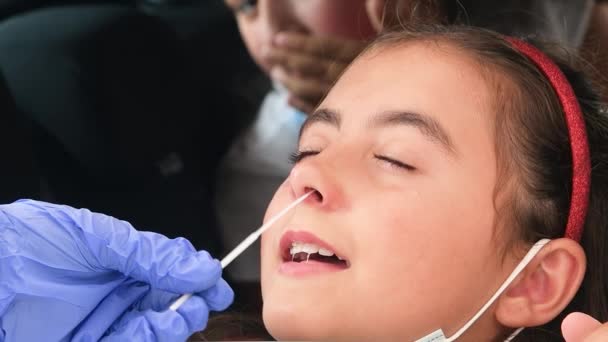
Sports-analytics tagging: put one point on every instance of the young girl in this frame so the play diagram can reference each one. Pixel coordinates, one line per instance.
(304, 46)
(437, 161)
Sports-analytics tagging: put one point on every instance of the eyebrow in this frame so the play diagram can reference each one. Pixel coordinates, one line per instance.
(428, 126)
(326, 116)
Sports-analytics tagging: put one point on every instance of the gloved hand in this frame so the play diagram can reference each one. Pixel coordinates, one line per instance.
(68, 274)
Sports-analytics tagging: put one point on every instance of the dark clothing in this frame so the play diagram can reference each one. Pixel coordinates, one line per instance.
(127, 114)
(18, 175)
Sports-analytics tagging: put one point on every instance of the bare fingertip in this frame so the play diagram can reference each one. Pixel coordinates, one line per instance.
(577, 325)
(281, 38)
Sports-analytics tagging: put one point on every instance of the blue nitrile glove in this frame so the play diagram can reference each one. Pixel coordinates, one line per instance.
(68, 274)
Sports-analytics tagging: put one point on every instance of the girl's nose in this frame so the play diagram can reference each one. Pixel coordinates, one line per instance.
(310, 176)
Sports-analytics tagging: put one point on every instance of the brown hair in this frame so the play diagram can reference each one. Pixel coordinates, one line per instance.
(534, 155)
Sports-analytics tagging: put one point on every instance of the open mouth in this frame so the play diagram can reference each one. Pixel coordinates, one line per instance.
(306, 252)
(303, 248)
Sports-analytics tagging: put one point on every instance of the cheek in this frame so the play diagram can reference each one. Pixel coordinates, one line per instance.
(413, 246)
(254, 40)
(266, 261)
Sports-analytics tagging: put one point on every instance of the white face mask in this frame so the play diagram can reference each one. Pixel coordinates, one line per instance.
(439, 336)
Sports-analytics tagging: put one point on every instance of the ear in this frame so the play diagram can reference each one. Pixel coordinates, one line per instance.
(375, 12)
(545, 287)
(387, 13)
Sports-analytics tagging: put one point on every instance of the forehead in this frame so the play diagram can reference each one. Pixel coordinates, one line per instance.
(414, 74)
(440, 81)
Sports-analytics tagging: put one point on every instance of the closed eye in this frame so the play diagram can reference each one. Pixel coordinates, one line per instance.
(395, 163)
(297, 156)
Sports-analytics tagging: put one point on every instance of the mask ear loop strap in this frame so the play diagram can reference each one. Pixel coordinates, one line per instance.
(520, 267)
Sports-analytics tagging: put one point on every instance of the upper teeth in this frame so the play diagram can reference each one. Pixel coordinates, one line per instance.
(308, 248)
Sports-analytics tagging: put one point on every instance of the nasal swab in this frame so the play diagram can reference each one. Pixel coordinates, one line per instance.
(245, 244)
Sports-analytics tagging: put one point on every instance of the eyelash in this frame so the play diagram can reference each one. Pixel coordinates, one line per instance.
(298, 156)
(395, 163)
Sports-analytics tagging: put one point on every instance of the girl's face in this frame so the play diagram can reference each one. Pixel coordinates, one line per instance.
(260, 21)
(401, 153)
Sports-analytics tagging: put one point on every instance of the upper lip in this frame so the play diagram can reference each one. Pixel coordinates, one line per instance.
(305, 237)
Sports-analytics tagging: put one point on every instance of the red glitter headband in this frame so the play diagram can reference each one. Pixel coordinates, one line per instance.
(581, 160)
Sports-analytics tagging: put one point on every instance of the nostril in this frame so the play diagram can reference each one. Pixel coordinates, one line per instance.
(316, 194)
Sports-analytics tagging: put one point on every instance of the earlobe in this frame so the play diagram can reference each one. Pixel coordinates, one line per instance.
(545, 287)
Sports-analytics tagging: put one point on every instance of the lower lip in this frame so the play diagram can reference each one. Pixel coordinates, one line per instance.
(308, 268)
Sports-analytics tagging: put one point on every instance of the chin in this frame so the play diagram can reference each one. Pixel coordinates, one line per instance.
(285, 324)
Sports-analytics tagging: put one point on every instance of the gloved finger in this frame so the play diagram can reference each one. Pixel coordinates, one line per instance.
(6, 298)
(195, 312)
(219, 297)
(112, 244)
(157, 300)
(165, 326)
(310, 90)
(112, 307)
(168, 264)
